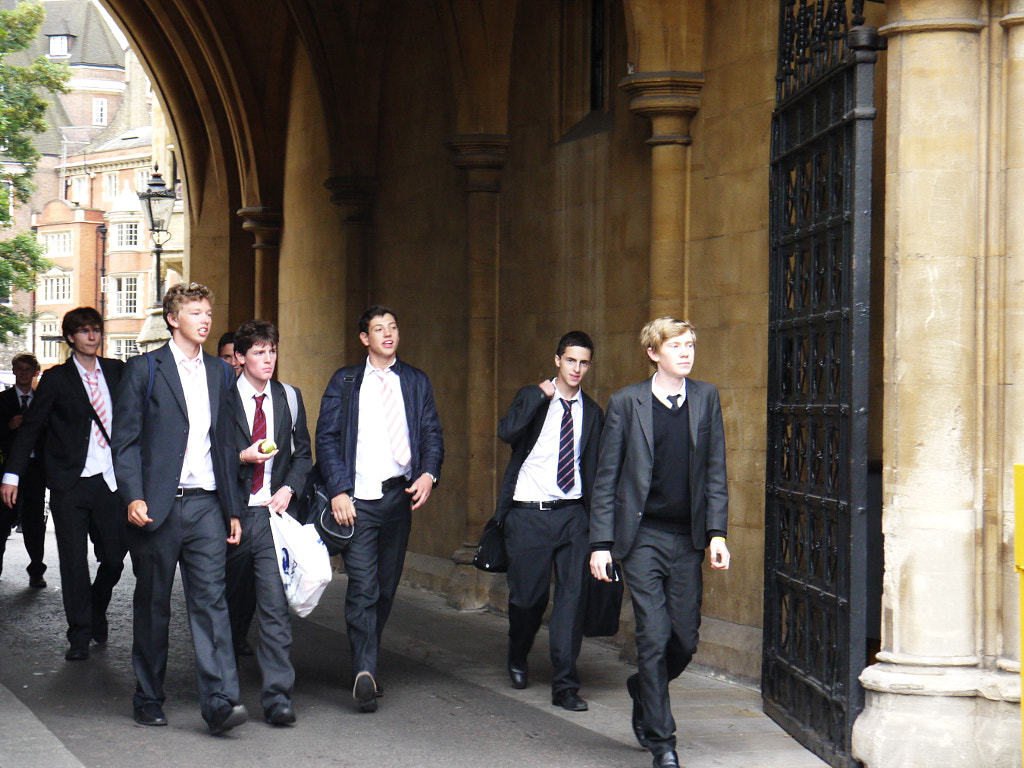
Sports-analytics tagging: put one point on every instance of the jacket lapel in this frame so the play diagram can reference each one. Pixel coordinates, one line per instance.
(644, 414)
(214, 371)
(165, 367)
(282, 417)
(76, 385)
(238, 411)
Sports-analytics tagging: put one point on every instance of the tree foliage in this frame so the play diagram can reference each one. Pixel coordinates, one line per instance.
(22, 115)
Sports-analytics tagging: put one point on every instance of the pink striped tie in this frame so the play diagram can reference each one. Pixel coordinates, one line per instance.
(96, 399)
(396, 429)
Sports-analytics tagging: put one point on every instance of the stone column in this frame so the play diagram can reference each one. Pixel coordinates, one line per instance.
(482, 156)
(354, 195)
(670, 100)
(265, 226)
(931, 699)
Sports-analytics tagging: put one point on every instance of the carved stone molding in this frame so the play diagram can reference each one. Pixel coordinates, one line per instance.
(355, 193)
(668, 99)
(264, 224)
(483, 156)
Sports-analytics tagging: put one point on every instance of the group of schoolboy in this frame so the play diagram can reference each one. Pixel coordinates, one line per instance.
(198, 455)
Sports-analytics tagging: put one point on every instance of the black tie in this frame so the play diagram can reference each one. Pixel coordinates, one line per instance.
(566, 455)
(675, 401)
(24, 403)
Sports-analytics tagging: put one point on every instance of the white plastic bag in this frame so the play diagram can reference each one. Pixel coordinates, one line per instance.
(303, 561)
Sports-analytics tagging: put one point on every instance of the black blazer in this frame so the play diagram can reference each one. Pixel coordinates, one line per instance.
(289, 468)
(62, 413)
(338, 425)
(521, 426)
(150, 435)
(626, 465)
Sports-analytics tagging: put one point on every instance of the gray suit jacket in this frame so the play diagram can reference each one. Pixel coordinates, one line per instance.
(149, 436)
(626, 463)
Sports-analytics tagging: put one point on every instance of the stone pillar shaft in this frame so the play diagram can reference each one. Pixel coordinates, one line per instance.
(483, 157)
(670, 100)
(354, 195)
(933, 698)
(265, 226)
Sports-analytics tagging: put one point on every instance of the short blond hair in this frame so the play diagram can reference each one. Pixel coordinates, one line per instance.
(180, 294)
(660, 330)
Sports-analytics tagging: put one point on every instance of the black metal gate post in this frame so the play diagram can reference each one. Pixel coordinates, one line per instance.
(814, 643)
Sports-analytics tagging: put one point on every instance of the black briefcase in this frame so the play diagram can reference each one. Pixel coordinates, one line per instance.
(602, 604)
(491, 555)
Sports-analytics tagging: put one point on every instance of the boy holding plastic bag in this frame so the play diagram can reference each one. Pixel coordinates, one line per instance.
(274, 458)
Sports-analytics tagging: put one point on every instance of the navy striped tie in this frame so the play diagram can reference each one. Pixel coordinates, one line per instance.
(566, 452)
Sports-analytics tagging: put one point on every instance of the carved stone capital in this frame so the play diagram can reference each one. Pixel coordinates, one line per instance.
(354, 193)
(668, 99)
(483, 156)
(264, 224)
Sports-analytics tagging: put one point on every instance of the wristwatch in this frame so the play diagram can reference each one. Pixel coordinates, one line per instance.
(290, 489)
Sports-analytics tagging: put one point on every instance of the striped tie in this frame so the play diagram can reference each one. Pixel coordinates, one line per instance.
(566, 450)
(396, 429)
(259, 432)
(96, 399)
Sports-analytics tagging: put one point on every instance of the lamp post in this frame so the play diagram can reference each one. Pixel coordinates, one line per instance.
(157, 204)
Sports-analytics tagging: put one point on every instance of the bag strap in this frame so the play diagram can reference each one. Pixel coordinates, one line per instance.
(293, 407)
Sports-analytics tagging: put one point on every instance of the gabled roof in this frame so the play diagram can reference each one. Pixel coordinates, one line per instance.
(93, 43)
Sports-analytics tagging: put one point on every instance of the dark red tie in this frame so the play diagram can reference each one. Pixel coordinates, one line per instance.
(24, 403)
(566, 453)
(259, 432)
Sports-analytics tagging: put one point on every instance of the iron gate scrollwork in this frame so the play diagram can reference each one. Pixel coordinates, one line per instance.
(816, 482)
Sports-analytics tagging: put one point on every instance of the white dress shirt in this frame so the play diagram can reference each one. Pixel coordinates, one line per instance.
(537, 479)
(375, 461)
(248, 393)
(663, 394)
(197, 469)
(98, 460)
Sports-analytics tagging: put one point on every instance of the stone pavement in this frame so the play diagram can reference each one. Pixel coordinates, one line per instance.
(432, 654)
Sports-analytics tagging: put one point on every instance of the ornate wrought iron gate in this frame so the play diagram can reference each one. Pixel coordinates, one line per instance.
(815, 523)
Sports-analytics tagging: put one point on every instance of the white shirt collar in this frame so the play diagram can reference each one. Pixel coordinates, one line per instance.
(247, 390)
(663, 394)
(179, 355)
(83, 372)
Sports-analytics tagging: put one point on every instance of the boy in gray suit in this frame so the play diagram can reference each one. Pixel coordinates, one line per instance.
(660, 499)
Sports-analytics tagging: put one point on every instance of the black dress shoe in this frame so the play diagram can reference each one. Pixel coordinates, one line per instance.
(100, 629)
(519, 676)
(633, 687)
(223, 720)
(280, 714)
(666, 760)
(37, 582)
(76, 653)
(365, 692)
(569, 700)
(150, 714)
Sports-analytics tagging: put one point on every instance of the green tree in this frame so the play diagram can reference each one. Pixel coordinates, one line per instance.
(22, 115)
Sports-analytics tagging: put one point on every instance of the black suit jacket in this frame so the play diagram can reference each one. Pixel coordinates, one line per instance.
(626, 464)
(150, 435)
(290, 468)
(521, 426)
(338, 426)
(10, 406)
(62, 413)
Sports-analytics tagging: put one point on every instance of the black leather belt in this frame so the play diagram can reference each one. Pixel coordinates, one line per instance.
(393, 483)
(546, 505)
(182, 492)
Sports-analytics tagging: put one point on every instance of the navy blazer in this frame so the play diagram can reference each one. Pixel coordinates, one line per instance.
(150, 435)
(290, 467)
(62, 413)
(521, 426)
(337, 427)
(626, 465)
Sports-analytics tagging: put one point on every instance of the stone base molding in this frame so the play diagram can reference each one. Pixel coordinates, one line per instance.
(927, 716)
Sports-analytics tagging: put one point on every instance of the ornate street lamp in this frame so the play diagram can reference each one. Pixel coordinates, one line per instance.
(157, 204)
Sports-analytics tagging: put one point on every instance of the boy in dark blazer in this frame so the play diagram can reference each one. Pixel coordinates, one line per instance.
(73, 408)
(554, 429)
(30, 508)
(660, 500)
(386, 408)
(265, 484)
(176, 472)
